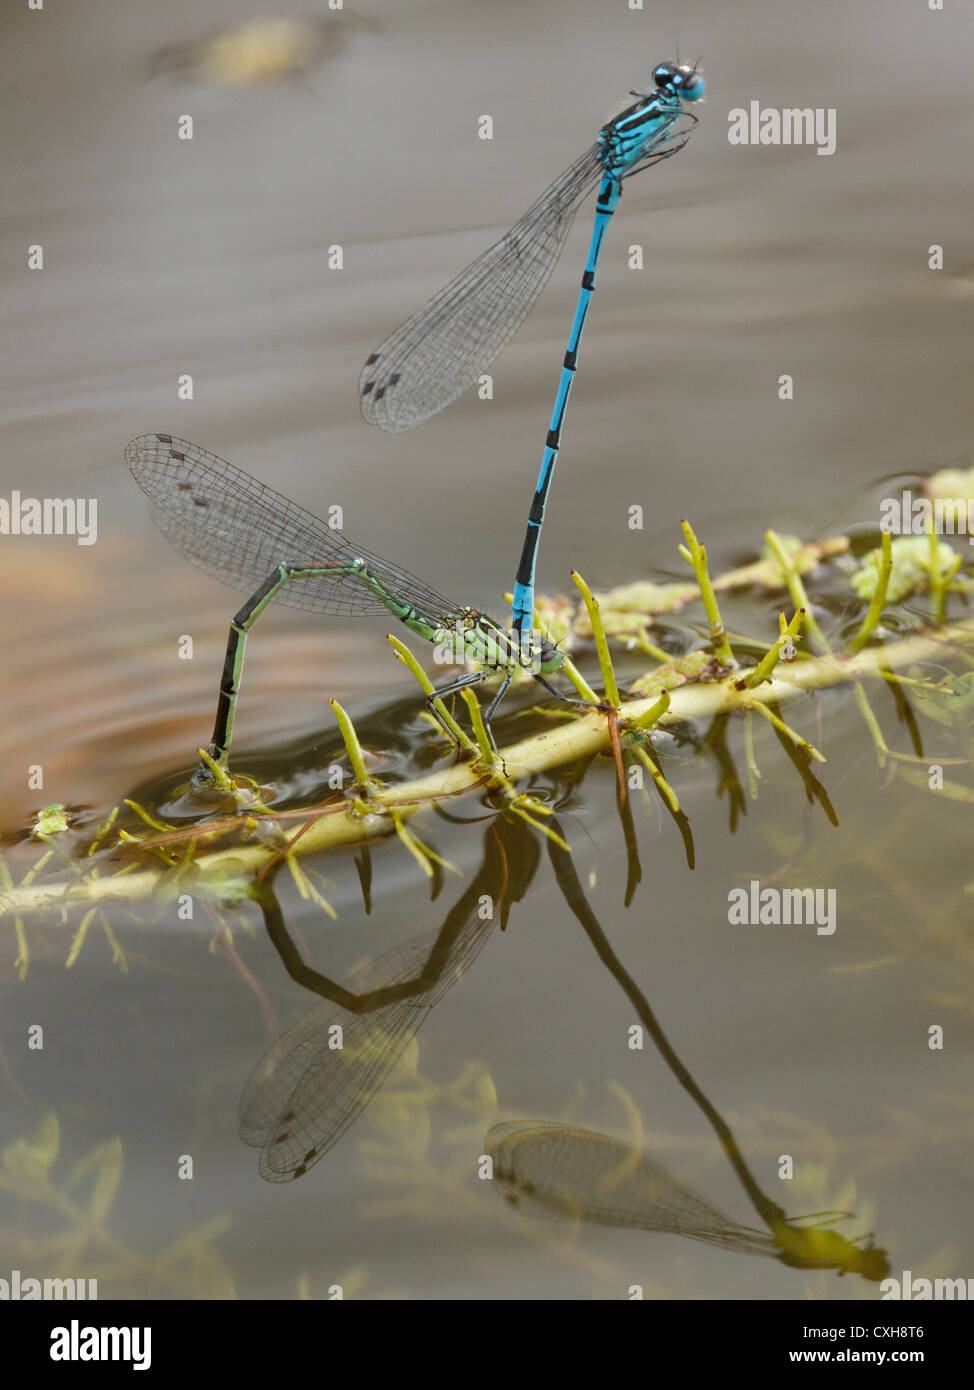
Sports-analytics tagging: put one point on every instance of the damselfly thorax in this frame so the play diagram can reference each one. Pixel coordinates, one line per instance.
(476, 639)
(637, 131)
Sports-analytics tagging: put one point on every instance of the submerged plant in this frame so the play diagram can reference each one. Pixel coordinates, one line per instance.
(80, 1243)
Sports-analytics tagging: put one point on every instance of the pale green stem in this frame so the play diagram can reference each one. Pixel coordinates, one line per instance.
(353, 748)
(797, 590)
(404, 655)
(769, 661)
(884, 568)
(753, 771)
(601, 645)
(487, 754)
(696, 556)
(652, 715)
(666, 790)
(790, 733)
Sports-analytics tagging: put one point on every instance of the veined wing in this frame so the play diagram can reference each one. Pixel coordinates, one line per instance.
(433, 357)
(239, 530)
(304, 1093)
(587, 1176)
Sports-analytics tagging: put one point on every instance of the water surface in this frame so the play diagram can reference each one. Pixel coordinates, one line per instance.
(210, 257)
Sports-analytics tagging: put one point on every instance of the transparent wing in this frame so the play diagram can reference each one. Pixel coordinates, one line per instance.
(433, 357)
(588, 1176)
(304, 1092)
(239, 530)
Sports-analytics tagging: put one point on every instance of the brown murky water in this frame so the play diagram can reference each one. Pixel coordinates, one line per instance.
(210, 257)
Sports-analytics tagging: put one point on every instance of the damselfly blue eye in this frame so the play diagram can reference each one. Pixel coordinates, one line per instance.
(693, 86)
(679, 79)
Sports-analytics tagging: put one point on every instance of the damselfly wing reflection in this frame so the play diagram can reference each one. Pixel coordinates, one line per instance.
(314, 1081)
(587, 1176)
(318, 1077)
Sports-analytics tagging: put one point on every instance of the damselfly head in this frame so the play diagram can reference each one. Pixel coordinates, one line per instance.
(871, 1262)
(549, 657)
(679, 80)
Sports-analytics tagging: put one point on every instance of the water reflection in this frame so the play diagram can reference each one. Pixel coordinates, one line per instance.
(319, 1076)
(592, 1177)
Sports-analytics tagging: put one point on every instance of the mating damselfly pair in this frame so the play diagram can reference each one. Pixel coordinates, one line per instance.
(243, 532)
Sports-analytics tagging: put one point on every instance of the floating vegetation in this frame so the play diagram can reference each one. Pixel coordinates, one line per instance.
(257, 52)
(219, 858)
(918, 565)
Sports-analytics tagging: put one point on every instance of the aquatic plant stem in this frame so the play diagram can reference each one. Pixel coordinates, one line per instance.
(228, 873)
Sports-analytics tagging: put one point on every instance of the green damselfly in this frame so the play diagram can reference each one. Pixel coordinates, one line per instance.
(243, 533)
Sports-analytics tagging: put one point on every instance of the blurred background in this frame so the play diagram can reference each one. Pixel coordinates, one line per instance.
(209, 257)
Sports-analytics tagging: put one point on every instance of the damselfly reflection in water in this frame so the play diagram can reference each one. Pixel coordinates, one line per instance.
(314, 1082)
(319, 1076)
(591, 1177)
